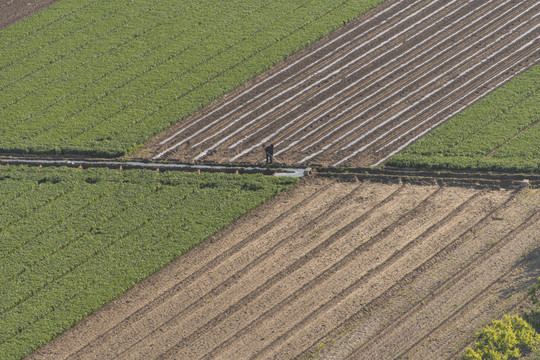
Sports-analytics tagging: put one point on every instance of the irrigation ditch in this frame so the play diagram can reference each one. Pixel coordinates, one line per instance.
(156, 166)
(381, 174)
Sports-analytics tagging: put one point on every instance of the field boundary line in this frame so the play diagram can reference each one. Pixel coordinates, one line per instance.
(256, 85)
(163, 297)
(217, 290)
(530, 126)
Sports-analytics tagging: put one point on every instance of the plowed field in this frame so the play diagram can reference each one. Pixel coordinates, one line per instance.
(367, 90)
(374, 270)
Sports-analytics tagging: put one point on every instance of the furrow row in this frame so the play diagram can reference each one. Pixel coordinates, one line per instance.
(419, 300)
(242, 285)
(189, 272)
(372, 94)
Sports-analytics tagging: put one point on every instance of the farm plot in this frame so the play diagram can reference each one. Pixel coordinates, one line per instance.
(500, 132)
(367, 89)
(73, 240)
(378, 270)
(101, 77)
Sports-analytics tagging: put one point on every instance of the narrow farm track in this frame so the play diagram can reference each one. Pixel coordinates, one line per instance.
(367, 90)
(373, 270)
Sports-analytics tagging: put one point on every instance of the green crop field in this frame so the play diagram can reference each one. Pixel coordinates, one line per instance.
(499, 133)
(100, 77)
(72, 240)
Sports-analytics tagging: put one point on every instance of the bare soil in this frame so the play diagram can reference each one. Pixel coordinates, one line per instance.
(332, 269)
(12, 11)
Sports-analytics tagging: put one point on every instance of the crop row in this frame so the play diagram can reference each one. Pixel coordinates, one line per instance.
(500, 132)
(76, 239)
(92, 70)
(40, 21)
(109, 82)
(84, 52)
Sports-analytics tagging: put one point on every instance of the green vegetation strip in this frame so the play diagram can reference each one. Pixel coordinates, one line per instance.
(72, 240)
(500, 132)
(102, 77)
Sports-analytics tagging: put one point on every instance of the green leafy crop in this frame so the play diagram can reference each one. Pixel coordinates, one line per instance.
(101, 77)
(500, 132)
(72, 240)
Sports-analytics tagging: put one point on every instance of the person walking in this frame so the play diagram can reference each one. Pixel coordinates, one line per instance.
(269, 150)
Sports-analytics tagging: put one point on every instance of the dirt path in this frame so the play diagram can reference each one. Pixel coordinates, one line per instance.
(368, 89)
(378, 270)
(12, 11)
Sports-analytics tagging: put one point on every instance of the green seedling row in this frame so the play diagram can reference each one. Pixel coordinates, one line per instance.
(498, 133)
(72, 240)
(103, 77)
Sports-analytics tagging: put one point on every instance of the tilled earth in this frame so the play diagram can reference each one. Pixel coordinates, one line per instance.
(367, 90)
(367, 269)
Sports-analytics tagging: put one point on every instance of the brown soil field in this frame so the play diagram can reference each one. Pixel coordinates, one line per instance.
(332, 268)
(368, 89)
(12, 11)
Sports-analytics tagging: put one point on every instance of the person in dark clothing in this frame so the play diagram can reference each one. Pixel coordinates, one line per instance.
(269, 150)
